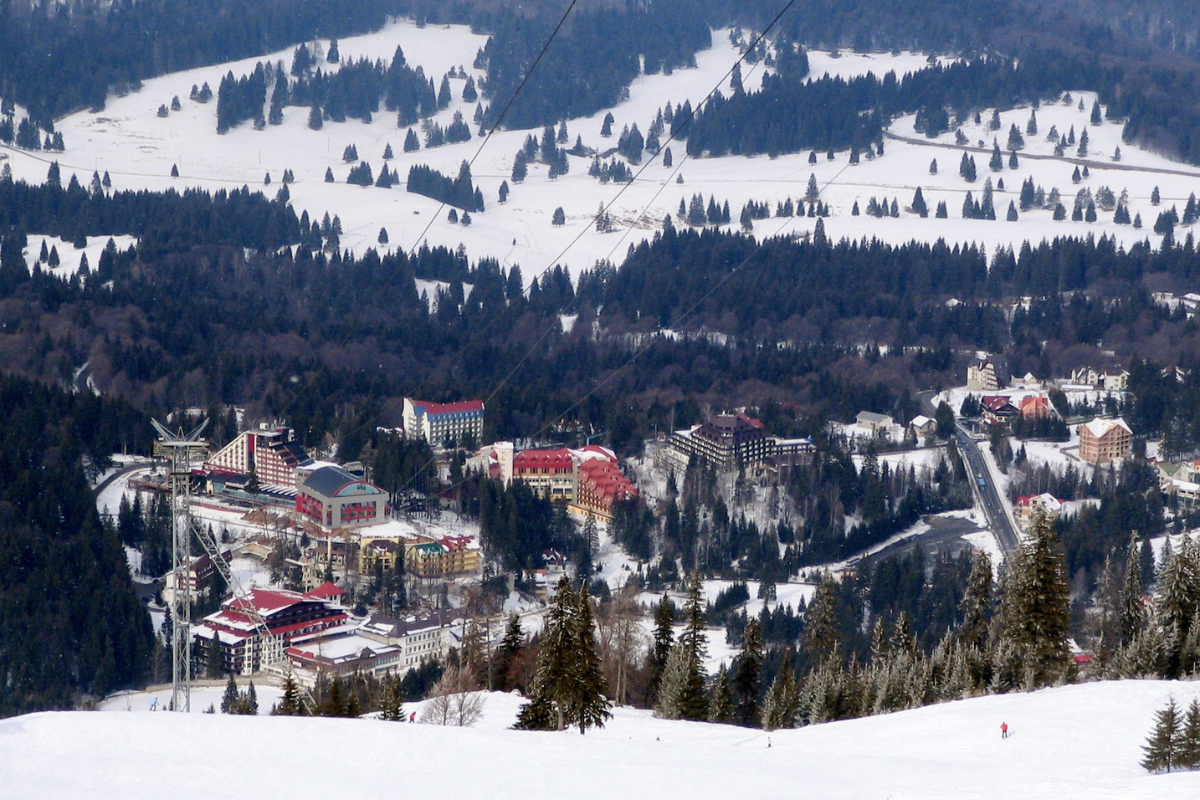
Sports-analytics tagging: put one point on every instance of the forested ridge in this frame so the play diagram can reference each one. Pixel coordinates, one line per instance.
(1145, 71)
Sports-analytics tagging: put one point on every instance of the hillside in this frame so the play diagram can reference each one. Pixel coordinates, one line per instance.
(1070, 742)
(138, 149)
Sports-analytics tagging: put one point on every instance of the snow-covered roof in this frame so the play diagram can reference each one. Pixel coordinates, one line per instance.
(1100, 428)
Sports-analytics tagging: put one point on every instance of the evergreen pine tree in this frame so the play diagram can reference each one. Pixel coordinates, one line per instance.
(721, 708)
(664, 640)
(672, 684)
(289, 705)
(1178, 599)
(589, 708)
(1188, 756)
(820, 620)
(693, 702)
(747, 676)
(1162, 746)
(507, 653)
(1132, 613)
(781, 708)
(230, 699)
(976, 605)
(1036, 606)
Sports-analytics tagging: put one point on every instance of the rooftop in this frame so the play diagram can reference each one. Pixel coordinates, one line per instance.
(333, 482)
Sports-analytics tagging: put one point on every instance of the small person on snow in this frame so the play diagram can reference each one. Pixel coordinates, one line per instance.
(412, 717)
(1003, 730)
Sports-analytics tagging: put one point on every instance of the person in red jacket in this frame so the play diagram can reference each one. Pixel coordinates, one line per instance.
(1003, 730)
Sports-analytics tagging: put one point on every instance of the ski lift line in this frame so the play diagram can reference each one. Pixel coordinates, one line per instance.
(716, 88)
(524, 79)
(686, 155)
(674, 135)
(495, 126)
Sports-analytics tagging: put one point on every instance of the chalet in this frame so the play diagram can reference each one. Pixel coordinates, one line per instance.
(1035, 406)
(236, 629)
(922, 426)
(876, 423)
(1048, 504)
(1102, 441)
(1113, 379)
(997, 409)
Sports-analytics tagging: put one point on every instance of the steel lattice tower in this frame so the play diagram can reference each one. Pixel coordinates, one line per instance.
(182, 450)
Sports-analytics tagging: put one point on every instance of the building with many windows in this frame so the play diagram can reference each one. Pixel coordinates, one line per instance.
(333, 498)
(443, 558)
(417, 638)
(440, 423)
(599, 485)
(1102, 441)
(549, 473)
(271, 454)
(286, 614)
(726, 443)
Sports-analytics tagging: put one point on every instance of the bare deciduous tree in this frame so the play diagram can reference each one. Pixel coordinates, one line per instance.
(455, 700)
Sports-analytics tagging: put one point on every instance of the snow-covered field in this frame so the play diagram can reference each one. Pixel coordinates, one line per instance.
(1071, 742)
(138, 149)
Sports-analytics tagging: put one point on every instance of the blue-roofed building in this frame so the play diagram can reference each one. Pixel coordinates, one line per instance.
(333, 498)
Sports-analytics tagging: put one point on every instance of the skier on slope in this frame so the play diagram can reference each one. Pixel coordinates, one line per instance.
(1003, 730)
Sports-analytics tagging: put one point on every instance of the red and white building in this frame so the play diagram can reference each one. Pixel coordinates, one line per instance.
(439, 423)
(272, 454)
(588, 480)
(333, 498)
(286, 614)
(599, 486)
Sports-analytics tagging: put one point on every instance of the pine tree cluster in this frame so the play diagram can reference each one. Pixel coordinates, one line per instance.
(459, 192)
(1174, 744)
(568, 686)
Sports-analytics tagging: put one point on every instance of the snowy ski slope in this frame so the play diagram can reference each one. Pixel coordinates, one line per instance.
(1066, 743)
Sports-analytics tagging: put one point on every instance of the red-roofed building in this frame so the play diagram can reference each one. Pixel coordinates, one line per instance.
(997, 408)
(1035, 406)
(550, 473)
(600, 485)
(441, 423)
(286, 614)
(589, 480)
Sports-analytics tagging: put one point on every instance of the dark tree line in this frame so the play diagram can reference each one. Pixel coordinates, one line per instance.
(70, 622)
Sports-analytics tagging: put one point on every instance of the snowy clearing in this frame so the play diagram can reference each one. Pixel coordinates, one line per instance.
(138, 149)
(1070, 742)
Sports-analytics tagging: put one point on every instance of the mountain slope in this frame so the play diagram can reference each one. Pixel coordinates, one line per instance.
(1070, 742)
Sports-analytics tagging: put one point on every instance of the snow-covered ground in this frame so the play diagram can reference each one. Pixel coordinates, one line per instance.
(138, 149)
(1070, 742)
(204, 694)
